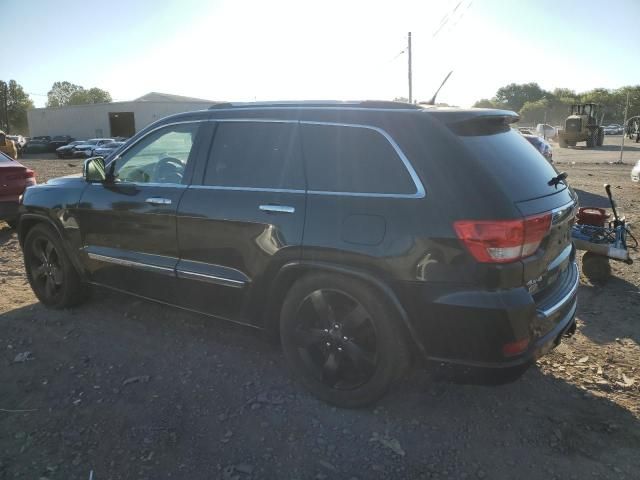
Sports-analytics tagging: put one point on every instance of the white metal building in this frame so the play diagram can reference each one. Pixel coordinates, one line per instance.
(115, 119)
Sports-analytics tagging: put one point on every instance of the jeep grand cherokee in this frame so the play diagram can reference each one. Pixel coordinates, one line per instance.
(361, 233)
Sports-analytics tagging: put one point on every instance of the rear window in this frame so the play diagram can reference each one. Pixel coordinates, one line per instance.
(519, 169)
(4, 158)
(353, 160)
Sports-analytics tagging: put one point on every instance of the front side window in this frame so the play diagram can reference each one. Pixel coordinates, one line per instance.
(160, 157)
(255, 155)
(353, 160)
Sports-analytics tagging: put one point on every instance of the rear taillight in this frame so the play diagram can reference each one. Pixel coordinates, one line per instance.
(30, 177)
(503, 241)
(515, 348)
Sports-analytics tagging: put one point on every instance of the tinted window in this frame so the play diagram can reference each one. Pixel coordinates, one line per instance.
(353, 159)
(255, 155)
(518, 168)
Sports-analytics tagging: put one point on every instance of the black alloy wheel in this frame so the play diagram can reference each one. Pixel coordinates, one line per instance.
(46, 270)
(336, 339)
(53, 278)
(342, 340)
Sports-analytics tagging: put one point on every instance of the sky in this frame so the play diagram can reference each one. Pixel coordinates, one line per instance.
(323, 49)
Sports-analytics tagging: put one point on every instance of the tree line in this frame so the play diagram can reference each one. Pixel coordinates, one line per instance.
(535, 104)
(14, 101)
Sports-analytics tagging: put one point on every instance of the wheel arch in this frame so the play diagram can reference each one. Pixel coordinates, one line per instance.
(290, 272)
(30, 220)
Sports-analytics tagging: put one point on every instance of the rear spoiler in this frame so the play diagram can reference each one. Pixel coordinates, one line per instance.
(477, 121)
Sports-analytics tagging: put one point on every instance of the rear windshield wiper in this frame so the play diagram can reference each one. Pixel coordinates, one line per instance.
(560, 178)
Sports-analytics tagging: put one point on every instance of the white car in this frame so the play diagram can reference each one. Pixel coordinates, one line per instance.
(635, 173)
(86, 149)
(613, 129)
(18, 139)
(546, 131)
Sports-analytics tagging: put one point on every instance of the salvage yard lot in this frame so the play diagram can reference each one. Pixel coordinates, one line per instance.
(132, 390)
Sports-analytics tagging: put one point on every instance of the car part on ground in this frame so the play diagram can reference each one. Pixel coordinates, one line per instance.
(602, 242)
(300, 219)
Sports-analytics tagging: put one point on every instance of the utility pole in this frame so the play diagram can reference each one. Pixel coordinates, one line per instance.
(5, 108)
(410, 73)
(624, 126)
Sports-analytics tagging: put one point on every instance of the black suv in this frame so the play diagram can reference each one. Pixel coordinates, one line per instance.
(362, 233)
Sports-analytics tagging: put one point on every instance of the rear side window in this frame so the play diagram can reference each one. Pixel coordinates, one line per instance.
(353, 160)
(255, 155)
(519, 169)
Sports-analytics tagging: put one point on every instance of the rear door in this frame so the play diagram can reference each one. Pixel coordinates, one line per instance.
(242, 217)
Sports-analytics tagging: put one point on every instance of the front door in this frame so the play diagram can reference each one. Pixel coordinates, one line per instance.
(242, 218)
(128, 225)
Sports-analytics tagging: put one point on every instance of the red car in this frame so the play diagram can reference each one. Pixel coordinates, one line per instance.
(14, 179)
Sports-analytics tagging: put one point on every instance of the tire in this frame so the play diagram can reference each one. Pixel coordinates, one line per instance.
(562, 143)
(600, 141)
(341, 340)
(52, 276)
(596, 267)
(592, 139)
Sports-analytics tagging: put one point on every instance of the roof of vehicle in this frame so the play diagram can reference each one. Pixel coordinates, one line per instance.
(311, 109)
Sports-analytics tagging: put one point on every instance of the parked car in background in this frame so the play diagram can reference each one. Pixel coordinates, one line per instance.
(14, 179)
(107, 149)
(8, 146)
(43, 138)
(59, 141)
(613, 129)
(36, 145)
(19, 140)
(541, 145)
(546, 131)
(635, 173)
(66, 151)
(86, 149)
(312, 222)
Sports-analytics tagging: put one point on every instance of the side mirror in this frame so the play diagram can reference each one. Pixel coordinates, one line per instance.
(93, 170)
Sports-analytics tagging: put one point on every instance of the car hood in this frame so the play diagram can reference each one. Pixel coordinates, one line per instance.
(66, 180)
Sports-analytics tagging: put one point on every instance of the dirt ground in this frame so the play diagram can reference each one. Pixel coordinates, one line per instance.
(128, 389)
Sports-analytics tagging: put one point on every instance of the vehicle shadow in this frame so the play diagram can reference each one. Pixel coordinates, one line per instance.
(610, 311)
(126, 379)
(588, 199)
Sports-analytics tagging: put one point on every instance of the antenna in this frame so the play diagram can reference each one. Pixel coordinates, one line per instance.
(433, 99)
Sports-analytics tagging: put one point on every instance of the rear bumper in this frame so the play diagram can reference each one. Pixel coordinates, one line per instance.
(470, 328)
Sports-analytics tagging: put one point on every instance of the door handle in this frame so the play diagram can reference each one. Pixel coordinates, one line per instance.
(277, 208)
(158, 201)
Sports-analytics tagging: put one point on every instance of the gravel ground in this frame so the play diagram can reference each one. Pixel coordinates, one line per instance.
(134, 390)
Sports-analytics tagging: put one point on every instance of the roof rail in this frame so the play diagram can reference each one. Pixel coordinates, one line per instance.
(373, 104)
